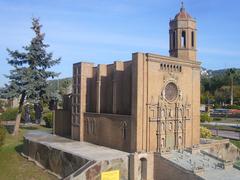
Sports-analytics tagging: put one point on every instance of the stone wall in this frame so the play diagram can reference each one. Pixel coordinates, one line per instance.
(221, 149)
(108, 130)
(113, 83)
(94, 171)
(62, 123)
(47, 151)
(132, 88)
(166, 170)
(141, 166)
(151, 74)
(59, 162)
(101, 89)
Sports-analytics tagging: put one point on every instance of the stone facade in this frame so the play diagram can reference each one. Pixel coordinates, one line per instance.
(148, 104)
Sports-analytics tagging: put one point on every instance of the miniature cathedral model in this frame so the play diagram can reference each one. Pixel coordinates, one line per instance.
(150, 103)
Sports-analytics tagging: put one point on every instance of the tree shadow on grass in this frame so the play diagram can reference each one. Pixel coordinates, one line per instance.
(29, 127)
(9, 128)
(19, 148)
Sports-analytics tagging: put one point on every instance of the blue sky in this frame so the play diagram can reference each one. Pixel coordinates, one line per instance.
(102, 31)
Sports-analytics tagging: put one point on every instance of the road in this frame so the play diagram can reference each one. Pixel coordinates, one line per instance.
(221, 124)
(226, 134)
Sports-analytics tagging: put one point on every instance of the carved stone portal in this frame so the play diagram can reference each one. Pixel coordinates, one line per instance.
(170, 114)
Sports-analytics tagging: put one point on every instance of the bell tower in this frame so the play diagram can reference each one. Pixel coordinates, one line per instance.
(182, 36)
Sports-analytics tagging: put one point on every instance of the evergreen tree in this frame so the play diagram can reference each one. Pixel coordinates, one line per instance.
(28, 78)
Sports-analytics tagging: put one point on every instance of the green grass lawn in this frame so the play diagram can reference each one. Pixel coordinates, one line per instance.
(236, 143)
(13, 165)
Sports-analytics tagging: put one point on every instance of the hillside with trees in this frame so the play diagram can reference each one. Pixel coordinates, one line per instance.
(220, 87)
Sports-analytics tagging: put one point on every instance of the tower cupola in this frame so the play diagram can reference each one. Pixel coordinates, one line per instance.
(182, 36)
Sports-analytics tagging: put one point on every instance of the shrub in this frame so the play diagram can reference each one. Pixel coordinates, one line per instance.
(9, 115)
(217, 106)
(217, 119)
(233, 107)
(48, 118)
(2, 134)
(205, 132)
(205, 117)
(32, 115)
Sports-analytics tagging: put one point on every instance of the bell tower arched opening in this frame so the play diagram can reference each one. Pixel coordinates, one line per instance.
(183, 39)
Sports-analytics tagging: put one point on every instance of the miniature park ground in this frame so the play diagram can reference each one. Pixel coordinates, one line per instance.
(13, 165)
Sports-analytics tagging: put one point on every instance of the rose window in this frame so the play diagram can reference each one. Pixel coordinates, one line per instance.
(171, 91)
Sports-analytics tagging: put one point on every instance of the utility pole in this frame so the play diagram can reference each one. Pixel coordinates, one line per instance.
(231, 90)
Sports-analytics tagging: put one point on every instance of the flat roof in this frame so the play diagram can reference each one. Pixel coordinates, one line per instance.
(82, 149)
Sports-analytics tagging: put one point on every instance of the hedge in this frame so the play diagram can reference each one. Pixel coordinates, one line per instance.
(9, 115)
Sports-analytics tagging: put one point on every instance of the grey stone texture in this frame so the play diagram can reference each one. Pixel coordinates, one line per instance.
(73, 159)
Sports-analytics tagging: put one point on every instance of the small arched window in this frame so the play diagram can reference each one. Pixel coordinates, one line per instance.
(143, 168)
(124, 130)
(183, 39)
(193, 43)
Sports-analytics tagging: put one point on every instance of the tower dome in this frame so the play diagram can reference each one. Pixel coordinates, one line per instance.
(182, 14)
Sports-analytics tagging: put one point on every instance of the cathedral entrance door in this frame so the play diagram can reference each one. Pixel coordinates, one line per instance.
(170, 138)
(170, 141)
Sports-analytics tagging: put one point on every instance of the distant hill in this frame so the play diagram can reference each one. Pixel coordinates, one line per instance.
(210, 72)
(60, 86)
(57, 83)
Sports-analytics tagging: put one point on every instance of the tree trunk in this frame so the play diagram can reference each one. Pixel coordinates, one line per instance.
(38, 112)
(18, 118)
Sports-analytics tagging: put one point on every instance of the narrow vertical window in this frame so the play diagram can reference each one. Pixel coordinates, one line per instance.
(124, 130)
(87, 128)
(193, 39)
(183, 39)
(173, 39)
(94, 126)
(125, 133)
